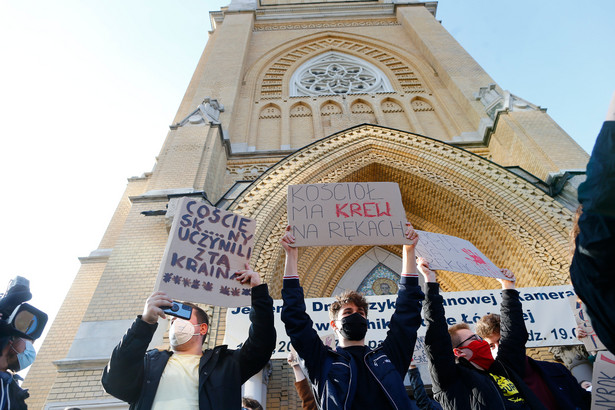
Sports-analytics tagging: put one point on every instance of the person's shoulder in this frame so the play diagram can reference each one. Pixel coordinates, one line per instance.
(549, 367)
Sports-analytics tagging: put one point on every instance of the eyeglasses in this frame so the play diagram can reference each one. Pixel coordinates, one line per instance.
(473, 337)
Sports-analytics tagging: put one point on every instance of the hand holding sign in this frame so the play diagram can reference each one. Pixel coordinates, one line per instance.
(292, 254)
(248, 277)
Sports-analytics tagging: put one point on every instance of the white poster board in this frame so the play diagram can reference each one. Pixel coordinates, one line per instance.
(583, 321)
(206, 246)
(449, 253)
(603, 383)
(544, 328)
(354, 213)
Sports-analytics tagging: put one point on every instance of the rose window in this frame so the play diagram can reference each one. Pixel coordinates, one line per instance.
(336, 73)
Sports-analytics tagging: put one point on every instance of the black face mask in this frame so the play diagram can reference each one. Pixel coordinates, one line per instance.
(354, 327)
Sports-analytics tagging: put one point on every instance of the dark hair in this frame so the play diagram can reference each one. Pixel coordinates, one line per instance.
(200, 313)
(488, 325)
(452, 331)
(348, 296)
(251, 403)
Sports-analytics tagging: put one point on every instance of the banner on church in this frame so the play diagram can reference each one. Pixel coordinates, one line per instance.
(206, 246)
(355, 213)
(546, 312)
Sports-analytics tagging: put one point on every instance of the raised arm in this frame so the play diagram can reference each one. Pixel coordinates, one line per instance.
(405, 321)
(513, 333)
(437, 340)
(123, 375)
(256, 350)
(299, 326)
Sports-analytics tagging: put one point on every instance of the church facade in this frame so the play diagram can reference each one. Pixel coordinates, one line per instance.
(294, 92)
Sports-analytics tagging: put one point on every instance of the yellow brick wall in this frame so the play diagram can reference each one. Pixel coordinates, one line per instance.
(533, 141)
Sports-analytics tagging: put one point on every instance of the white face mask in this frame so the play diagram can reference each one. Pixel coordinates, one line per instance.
(181, 331)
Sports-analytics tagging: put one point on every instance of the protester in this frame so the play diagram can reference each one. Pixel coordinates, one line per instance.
(464, 374)
(16, 353)
(551, 382)
(186, 377)
(248, 403)
(353, 375)
(591, 270)
(301, 384)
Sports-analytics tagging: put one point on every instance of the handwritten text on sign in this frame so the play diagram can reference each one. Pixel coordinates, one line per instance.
(603, 383)
(543, 326)
(356, 213)
(449, 253)
(206, 247)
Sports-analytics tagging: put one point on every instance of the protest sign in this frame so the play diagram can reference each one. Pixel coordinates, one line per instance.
(206, 246)
(603, 383)
(539, 304)
(584, 323)
(355, 213)
(449, 253)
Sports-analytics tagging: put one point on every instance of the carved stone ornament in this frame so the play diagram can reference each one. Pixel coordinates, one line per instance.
(494, 101)
(208, 112)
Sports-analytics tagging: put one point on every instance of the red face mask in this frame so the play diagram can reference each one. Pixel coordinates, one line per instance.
(481, 353)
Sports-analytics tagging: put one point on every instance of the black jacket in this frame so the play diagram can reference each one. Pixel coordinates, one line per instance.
(133, 374)
(593, 266)
(461, 385)
(332, 371)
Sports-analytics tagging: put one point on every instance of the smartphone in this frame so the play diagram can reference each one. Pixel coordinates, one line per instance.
(178, 309)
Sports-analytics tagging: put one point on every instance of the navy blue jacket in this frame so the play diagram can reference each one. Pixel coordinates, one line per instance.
(133, 374)
(593, 266)
(332, 371)
(459, 385)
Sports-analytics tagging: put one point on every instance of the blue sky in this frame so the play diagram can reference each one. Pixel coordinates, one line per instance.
(88, 89)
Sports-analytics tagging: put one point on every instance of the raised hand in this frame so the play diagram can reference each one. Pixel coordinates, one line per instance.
(249, 276)
(428, 274)
(508, 283)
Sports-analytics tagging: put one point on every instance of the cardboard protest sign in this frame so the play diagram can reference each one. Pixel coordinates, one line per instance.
(543, 327)
(449, 253)
(354, 213)
(603, 383)
(206, 247)
(584, 323)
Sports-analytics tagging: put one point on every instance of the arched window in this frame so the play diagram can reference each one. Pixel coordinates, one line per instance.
(337, 73)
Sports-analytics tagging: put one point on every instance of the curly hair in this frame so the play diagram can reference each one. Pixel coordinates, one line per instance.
(346, 297)
(488, 325)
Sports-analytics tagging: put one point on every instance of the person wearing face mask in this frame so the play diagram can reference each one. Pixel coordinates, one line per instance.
(552, 382)
(186, 377)
(464, 373)
(353, 376)
(17, 353)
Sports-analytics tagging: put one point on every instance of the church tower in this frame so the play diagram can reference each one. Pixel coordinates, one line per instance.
(298, 92)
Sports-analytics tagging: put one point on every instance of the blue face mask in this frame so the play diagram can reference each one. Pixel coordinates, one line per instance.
(26, 358)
